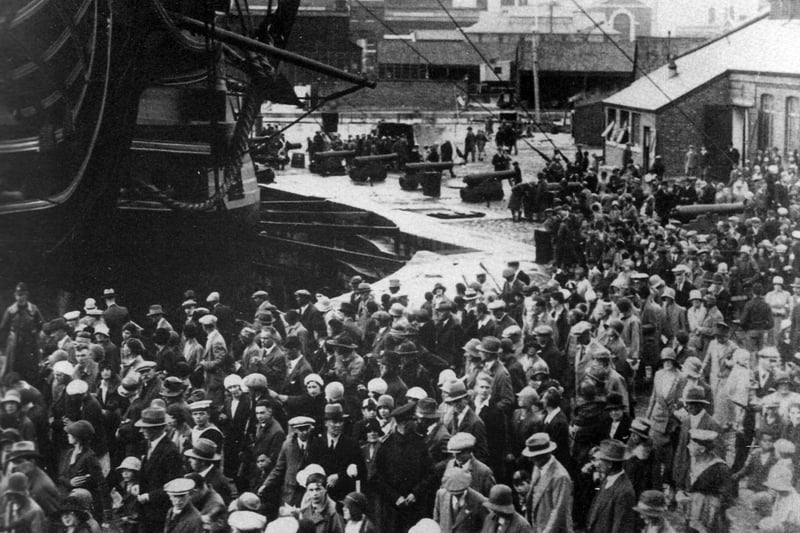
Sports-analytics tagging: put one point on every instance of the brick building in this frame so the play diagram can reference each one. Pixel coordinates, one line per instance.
(741, 89)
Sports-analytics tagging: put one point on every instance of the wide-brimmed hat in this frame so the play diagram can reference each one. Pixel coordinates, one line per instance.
(500, 500)
(343, 340)
(489, 345)
(696, 395)
(334, 411)
(538, 444)
(427, 408)
(129, 386)
(457, 391)
(611, 450)
(203, 449)
(155, 309)
(12, 396)
(152, 417)
(23, 449)
(652, 503)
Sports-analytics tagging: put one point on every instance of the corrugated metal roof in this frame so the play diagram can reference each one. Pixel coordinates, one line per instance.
(761, 45)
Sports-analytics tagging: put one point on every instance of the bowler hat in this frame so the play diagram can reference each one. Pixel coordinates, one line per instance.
(611, 450)
(652, 503)
(22, 449)
(614, 401)
(334, 411)
(203, 449)
(427, 408)
(489, 345)
(696, 395)
(500, 500)
(152, 418)
(17, 483)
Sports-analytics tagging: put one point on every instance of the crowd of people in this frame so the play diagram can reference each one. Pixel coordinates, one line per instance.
(654, 377)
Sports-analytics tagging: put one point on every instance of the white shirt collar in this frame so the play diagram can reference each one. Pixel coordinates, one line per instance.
(551, 415)
(612, 478)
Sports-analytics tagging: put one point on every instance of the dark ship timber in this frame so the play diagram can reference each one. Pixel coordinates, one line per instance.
(123, 115)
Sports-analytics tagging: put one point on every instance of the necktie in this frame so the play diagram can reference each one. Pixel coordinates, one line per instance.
(260, 431)
(456, 505)
(332, 445)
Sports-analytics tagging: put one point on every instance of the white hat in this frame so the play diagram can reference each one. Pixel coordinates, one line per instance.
(213, 297)
(130, 463)
(496, 304)
(314, 378)
(416, 393)
(777, 280)
(77, 386)
(234, 380)
(248, 521)
(64, 367)
(304, 474)
(282, 524)
(208, 320)
(102, 329)
(377, 385)
(72, 315)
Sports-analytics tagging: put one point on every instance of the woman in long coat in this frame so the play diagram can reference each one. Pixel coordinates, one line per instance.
(80, 468)
(709, 492)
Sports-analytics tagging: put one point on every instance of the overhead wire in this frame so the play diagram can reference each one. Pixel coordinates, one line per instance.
(492, 70)
(453, 83)
(651, 80)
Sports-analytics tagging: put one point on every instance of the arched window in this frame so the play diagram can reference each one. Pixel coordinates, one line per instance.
(792, 124)
(766, 121)
(624, 25)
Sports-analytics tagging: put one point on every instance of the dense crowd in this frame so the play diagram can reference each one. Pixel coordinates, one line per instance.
(485, 407)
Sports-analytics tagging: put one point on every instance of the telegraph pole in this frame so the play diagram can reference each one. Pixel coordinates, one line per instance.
(537, 111)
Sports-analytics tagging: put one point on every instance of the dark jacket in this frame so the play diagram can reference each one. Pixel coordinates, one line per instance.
(612, 508)
(164, 464)
(188, 521)
(336, 461)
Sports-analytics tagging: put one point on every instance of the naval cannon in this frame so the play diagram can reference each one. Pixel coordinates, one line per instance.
(428, 174)
(371, 167)
(485, 186)
(685, 213)
(330, 163)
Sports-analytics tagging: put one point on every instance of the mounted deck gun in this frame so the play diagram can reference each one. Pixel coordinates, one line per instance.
(371, 168)
(425, 173)
(331, 163)
(485, 186)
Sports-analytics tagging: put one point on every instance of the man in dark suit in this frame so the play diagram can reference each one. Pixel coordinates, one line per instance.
(161, 463)
(557, 426)
(115, 316)
(233, 424)
(612, 508)
(291, 459)
(204, 461)
(459, 508)
(429, 423)
(297, 367)
(465, 420)
(449, 335)
(338, 454)
(310, 316)
(182, 517)
(267, 435)
(556, 362)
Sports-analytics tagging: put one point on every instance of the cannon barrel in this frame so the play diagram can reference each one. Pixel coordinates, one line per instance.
(341, 154)
(378, 158)
(480, 177)
(684, 212)
(293, 146)
(413, 168)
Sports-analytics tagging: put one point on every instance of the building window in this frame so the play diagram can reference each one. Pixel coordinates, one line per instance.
(766, 122)
(611, 122)
(792, 124)
(712, 15)
(622, 131)
(624, 25)
(636, 127)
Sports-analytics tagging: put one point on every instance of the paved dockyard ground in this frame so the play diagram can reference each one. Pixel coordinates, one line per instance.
(494, 234)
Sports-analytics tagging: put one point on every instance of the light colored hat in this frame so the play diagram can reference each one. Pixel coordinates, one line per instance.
(102, 329)
(416, 393)
(247, 521)
(695, 295)
(377, 385)
(179, 486)
(538, 444)
(64, 367)
(496, 304)
(446, 376)
(208, 320)
(200, 405)
(314, 378)
(130, 463)
(460, 442)
(397, 309)
(581, 327)
(72, 315)
(426, 525)
(301, 421)
(304, 474)
(456, 480)
(212, 297)
(669, 292)
(785, 447)
(703, 436)
(76, 387)
(777, 280)
(457, 391)
(233, 380)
